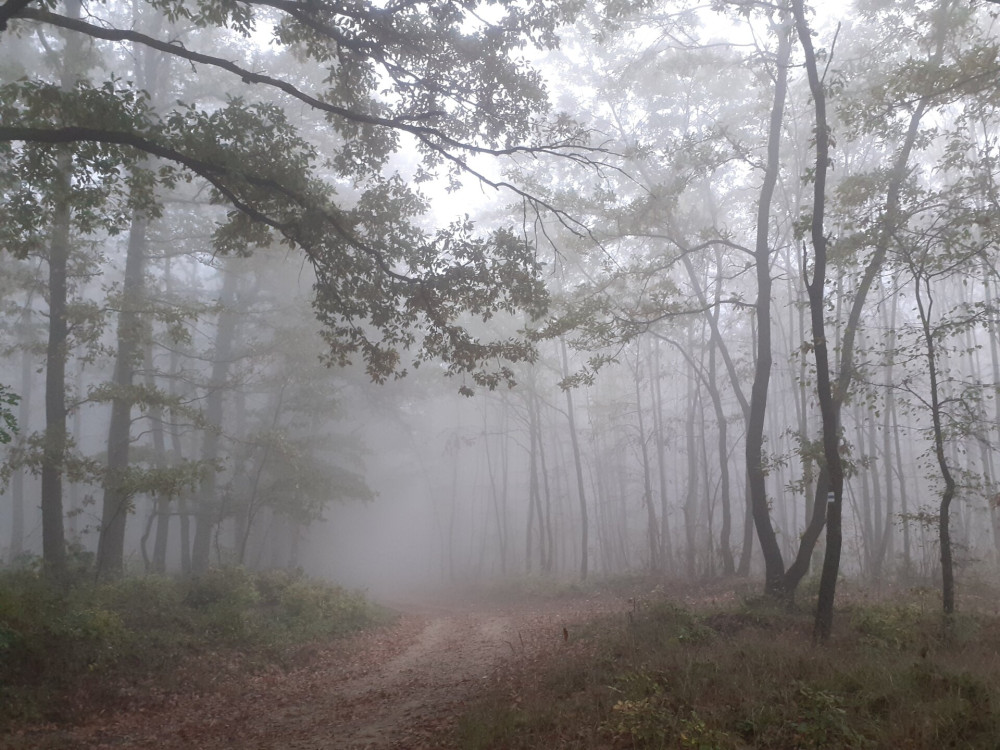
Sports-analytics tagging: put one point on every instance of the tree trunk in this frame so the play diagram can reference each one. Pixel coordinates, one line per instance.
(206, 512)
(534, 499)
(944, 509)
(548, 561)
(162, 502)
(117, 496)
(54, 451)
(666, 550)
(578, 464)
(652, 526)
(774, 565)
(816, 289)
(886, 231)
(728, 564)
(691, 501)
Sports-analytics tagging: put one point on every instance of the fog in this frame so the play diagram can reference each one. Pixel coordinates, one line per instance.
(406, 336)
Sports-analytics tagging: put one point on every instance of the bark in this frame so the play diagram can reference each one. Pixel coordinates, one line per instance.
(816, 289)
(53, 534)
(117, 496)
(207, 510)
(774, 565)
(54, 452)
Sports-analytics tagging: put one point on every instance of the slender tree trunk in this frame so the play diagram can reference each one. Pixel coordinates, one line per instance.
(206, 513)
(880, 509)
(774, 565)
(652, 527)
(728, 564)
(53, 533)
(994, 344)
(117, 496)
(495, 494)
(505, 485)
(886, 231)
(54, 451)
(922, 287)
(889, 323)
(867, 522)
(816, 289)
(548, 560)
(578, 464)
(691, 505)
(900, 475)
(534, 499)
(162, 501)
(666, 550)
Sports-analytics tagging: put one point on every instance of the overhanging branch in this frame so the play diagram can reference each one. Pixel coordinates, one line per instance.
(215, 174)
(433, 138)
(10, 9)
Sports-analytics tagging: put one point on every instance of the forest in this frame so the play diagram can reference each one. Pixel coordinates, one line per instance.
(575, 295)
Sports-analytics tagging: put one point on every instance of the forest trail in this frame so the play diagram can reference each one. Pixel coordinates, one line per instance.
(402, 686)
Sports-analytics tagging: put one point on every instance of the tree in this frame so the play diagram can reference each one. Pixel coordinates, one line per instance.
(773, 563)
(816, 287)
(438, 79)
(399, 77)
(949, 238)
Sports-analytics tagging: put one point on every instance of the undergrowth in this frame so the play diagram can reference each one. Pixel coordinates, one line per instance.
(64, 650)
(747, 674)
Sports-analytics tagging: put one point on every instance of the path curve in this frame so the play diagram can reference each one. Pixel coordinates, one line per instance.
(396, 687)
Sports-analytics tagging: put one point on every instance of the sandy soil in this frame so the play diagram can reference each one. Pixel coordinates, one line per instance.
(397, 687)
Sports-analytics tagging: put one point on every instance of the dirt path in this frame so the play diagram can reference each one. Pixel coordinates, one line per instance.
(397, 687)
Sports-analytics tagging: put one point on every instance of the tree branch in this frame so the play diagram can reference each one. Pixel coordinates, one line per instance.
(12, 9)
(214, 174)
(433, 138)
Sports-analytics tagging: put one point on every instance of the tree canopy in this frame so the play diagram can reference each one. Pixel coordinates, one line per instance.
(376, 90)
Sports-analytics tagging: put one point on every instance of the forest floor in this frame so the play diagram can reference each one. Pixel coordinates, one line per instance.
(646, 665)
(399, 686)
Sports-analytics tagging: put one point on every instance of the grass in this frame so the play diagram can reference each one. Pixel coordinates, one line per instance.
(65, 653)
(747, 674)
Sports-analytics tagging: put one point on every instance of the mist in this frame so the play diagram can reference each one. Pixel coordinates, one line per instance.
(731, 297)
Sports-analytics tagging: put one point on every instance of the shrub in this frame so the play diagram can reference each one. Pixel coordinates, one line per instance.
(54, 640)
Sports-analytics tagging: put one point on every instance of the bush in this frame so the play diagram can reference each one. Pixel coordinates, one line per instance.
(100, 639)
